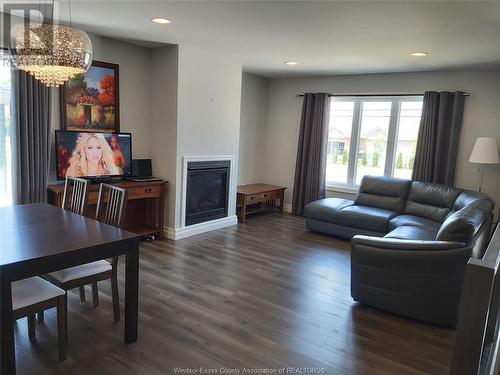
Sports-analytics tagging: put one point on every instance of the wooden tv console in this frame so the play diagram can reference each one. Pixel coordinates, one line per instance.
(144, 212)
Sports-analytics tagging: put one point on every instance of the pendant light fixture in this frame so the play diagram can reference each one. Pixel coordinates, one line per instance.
(52, 53)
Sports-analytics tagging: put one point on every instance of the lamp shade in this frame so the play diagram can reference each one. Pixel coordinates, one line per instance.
(485, 151)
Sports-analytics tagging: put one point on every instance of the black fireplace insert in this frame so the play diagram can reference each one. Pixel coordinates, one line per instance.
(207, 190)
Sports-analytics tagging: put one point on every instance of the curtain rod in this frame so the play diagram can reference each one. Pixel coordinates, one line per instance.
(367, 95)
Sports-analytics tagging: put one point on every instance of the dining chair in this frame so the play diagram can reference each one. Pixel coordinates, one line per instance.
(76, 199)
(76, 192)
(35, 294)
(110, 210)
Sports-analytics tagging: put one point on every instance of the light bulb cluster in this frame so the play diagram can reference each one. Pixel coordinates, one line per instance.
(52, 53)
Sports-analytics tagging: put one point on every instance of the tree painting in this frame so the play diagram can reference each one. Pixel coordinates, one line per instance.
(107, 95)
(91, 100)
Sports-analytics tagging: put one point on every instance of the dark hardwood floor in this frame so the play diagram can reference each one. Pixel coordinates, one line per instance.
(264, 294)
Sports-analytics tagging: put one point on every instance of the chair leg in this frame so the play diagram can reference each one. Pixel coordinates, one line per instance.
(116, 298)
(41, 316)
(62, 333)
(82, 294)
(66, 315)
(95, 295)
(31, 327)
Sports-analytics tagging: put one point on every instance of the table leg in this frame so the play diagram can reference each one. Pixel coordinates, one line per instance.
(7, 350)
(243, 214)
(282, 200)
(132, 292)
(161, 215)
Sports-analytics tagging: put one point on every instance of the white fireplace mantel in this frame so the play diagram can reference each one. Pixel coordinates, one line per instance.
(185, 231)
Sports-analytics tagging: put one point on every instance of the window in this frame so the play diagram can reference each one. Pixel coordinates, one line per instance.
(5, 133)
(371, 135)
(339, 136)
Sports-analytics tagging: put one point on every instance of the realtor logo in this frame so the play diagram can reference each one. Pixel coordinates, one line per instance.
(22, 28)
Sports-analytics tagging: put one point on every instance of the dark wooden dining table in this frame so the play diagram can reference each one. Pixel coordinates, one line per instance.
(39, 238)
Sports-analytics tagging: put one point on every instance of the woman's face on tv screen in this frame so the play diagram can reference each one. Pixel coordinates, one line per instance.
(93, 150)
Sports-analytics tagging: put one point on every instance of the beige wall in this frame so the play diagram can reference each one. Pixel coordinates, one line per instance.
(135, 93)
(253, 122)
(185, 101)
(163, 139)
(208, 117)
(176, 101)
(481, 116)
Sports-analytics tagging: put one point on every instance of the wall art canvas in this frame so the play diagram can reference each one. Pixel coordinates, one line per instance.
(90, 101)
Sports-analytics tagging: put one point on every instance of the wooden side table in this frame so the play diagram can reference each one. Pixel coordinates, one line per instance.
(254, 198)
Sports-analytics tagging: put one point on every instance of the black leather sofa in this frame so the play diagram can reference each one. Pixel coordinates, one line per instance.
(410, 242)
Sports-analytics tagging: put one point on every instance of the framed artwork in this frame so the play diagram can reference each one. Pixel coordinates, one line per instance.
(90, 101)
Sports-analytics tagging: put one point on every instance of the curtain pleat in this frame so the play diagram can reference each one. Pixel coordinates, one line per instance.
(310, 167)
(438, 137)
(32, 113)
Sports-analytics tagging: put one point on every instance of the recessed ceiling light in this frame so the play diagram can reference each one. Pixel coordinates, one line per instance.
(160, 20)
(419, 54)
(291, 63)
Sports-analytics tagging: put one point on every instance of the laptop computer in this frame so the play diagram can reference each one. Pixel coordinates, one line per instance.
(142, 171)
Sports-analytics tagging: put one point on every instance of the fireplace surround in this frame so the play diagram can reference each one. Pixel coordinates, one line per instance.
(207, 190)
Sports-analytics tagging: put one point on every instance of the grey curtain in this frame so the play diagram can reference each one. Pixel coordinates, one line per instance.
(438, 137)
(310, 168)
(31, 115)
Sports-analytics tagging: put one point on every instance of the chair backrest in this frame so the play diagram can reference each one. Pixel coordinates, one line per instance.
(77, 198)
(477, 339)
(111, 205)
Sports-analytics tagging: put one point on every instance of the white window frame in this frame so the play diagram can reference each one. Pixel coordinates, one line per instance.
(392, 136)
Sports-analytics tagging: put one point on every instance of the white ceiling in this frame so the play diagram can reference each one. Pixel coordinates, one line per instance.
(324, 37)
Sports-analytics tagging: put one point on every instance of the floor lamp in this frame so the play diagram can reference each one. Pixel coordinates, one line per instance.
(485, 151)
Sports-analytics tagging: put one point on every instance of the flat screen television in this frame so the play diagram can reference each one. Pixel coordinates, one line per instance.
(93, 155)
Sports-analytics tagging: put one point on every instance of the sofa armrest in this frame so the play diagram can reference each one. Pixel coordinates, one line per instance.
(398, 244)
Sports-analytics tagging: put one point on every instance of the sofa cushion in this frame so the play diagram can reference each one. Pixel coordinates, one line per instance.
(337, 230)
(364, 217)
(475, 198)
(325, 209)
(431, 201)
(409, 232)
(462, 225)
(415, 221)
(387, 193)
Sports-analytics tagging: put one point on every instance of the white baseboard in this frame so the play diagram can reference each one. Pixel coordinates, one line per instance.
(287, 207)
(191, 230)
(169, 232)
